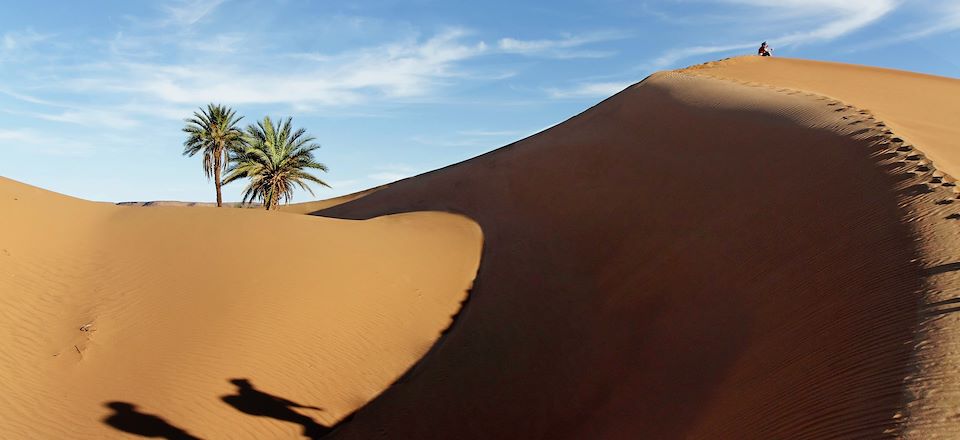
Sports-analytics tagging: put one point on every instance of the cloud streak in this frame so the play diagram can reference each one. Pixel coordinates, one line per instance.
(820, 21)
(407, 69)
(563, 48)
(589, 90)
(189, 12)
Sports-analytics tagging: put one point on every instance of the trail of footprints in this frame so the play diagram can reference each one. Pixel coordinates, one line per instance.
(916, 174)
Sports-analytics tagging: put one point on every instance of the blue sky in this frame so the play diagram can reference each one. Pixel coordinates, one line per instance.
(93, 94)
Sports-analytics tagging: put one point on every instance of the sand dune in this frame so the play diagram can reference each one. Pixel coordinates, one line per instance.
(752, 248)
(697, 257)
(162, 307)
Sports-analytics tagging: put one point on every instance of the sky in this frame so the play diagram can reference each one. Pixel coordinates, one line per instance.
(93, 95)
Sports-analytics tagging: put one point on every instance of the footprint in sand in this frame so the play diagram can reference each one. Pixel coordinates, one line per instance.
(918, 189)
(886, 156)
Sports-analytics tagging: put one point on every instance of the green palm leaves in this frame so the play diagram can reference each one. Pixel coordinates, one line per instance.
(213, 132)
(276, 159)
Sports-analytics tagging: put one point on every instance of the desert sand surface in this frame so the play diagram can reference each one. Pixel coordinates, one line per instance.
(745, 249)
(295, 208)
(186, 323)
(919, 108)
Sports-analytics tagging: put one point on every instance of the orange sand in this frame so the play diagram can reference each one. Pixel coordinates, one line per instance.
(697, 257)
(160, 307)
(752, 248)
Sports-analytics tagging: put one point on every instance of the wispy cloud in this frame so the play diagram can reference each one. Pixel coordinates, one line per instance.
(842, 17)
(589, 90)
(90, 118)
(391, 173)
(451, 141)
(16, 46)
(120, 116)
(945, 17)
(32, 140)
(816, 21)
(406, 69)
(27, 98)
(493, 133)
(220, 43)
(22, 40)
(562, 48)
(679, 54)
(188, 12)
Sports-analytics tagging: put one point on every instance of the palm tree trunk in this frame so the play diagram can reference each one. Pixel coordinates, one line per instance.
(216, 180)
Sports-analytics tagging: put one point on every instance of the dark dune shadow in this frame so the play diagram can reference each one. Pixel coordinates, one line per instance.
(127, 418)
(250, 400)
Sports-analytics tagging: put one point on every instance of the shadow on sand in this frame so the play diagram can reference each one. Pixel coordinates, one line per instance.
(250, 400)
(127, 418)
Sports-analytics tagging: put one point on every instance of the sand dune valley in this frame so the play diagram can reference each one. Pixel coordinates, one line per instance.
(752, 248)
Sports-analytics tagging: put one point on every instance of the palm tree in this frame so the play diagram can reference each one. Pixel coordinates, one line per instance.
(276, 159)
(214, 132)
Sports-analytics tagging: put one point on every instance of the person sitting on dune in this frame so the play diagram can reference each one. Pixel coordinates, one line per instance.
(765, 50)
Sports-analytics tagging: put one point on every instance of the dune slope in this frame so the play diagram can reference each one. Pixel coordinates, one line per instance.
(186, 323)
(698, 257)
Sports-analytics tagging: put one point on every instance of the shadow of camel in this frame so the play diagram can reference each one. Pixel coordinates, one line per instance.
(252, 401)
(127, 418)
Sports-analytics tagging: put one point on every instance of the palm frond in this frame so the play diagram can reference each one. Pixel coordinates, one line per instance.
(275, 157)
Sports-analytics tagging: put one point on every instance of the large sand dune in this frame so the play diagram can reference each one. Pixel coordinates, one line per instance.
(753, 248)
(698, 257)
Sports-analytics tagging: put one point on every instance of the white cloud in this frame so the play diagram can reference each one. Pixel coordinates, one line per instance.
(28, 98)
(392, 173)
(451, 141)
(816, 21)
(188, 12)
(44, 143)
(687, 52)
(493, 133)
(406, 69)
(90, 118)
(590, 90)
(843, 17)
(22, 40)
(220, 43)
(560, 48)
(116, 117)
(16, 135)
(945, 18)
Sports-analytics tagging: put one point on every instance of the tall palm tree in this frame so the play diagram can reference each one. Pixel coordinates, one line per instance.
(276, 159)
(213, 131)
